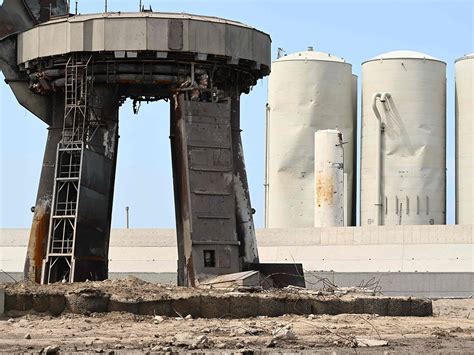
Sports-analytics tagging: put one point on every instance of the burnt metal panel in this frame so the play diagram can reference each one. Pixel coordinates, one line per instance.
(36, 250)
(181, 191)
(282, 275)
(41, 106)
(175, 34)
(43, 10)
(243, 208)
(18, 16)
(204, 190)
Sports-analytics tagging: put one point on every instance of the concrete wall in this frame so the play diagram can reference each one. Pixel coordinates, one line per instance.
(399, 257)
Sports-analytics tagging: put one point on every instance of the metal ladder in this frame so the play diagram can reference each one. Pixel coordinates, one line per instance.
(59, 261)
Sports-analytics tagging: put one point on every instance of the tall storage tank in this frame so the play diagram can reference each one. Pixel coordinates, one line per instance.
(465, 139)
(308, 91)
(403, 165)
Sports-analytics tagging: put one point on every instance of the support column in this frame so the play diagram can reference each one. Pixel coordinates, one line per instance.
(204, 189)
(39, 229)
(243, 208)
(78, 238)
(97, 187)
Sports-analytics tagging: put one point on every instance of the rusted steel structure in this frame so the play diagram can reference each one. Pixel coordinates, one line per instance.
(74, 72)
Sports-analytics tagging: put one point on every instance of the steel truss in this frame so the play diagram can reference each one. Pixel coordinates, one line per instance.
(59, 262)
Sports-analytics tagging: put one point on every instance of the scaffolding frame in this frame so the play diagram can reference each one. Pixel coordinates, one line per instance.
(59, 262)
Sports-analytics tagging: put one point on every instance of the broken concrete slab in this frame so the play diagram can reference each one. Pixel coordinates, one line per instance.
(152, 299)
(238, 279)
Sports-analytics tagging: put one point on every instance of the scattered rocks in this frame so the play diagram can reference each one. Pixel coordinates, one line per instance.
(272, 343)
(52, 349)
(363, 342)
(186, 339)
(27, 336)
(284, 333)
(158, 319)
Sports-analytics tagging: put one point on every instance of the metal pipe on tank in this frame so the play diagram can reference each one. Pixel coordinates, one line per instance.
(378, 153)
(267, 114)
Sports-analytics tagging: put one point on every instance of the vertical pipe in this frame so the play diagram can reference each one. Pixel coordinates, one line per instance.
(378, 161)
(346, 201)
(105, 6)
(353, 177)
(127, 217)
(267, 151)
(383, 97)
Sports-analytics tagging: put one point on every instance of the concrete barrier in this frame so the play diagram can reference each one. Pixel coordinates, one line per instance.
(208, 305)
(2, 301)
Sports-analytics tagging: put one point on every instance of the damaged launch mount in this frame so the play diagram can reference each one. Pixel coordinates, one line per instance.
(74, 72)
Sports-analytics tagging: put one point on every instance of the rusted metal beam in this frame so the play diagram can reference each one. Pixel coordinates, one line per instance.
(20, 15)
(243, 208)
(181, 191)
(39, 229)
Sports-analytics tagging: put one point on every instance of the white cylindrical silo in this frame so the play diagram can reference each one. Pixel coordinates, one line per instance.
(329, 179)
(465, 139)
(308, 91)
(403, 163)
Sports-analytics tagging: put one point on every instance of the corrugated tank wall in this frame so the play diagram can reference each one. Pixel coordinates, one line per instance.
(403, 163)
(308, 91)
(465, 139)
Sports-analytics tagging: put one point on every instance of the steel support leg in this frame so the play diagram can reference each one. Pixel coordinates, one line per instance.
(79, 236)
(97, 188)
(201, 141)
(244, 213)
(39, 229)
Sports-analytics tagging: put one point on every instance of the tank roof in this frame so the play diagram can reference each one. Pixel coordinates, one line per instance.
(465, 56)
(403, 54)
(311, 55)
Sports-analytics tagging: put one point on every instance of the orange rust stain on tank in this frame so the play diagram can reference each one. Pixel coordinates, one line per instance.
(36, 247)
(324, 189)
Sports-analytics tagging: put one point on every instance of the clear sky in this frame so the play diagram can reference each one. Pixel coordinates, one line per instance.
(355, 30)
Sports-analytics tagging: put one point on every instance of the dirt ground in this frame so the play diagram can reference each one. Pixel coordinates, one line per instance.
(451, 329)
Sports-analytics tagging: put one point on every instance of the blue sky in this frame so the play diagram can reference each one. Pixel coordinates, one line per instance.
(354, 30)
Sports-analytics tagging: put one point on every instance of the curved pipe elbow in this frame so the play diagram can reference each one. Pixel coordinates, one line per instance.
(385, 96)
(374, 105)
